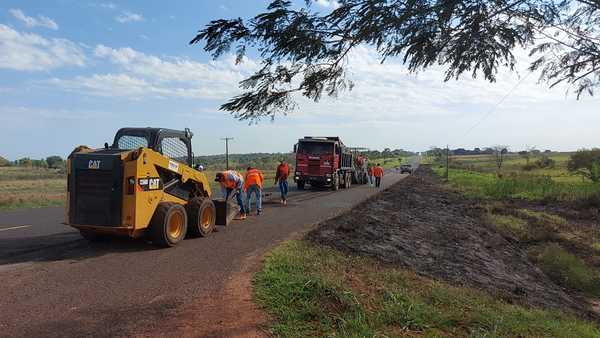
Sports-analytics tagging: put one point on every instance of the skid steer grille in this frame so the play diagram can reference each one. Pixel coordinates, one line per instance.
(99, 197)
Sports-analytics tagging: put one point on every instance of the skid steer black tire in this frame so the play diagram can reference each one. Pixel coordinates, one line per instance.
(202, 215)
(168, 225)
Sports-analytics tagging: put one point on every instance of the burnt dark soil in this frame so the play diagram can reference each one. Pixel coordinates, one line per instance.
(420, 225)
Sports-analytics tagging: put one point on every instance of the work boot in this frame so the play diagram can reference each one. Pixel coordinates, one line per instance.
(243, 217)
(284, 202)
(258, 212)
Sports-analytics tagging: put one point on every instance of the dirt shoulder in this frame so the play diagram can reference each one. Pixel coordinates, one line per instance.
(417, 224)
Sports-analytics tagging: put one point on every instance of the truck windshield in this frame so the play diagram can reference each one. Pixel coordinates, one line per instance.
(129, 142)
(315, 148)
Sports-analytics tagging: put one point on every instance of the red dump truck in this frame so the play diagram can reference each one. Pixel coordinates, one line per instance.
(326, 161)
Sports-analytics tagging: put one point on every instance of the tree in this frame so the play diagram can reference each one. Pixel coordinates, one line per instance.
(4, 162)
(528, 153)
(24, 162)
(499, 154)
(525, 154)
(586, 163)
(305, 51)
(54, 162)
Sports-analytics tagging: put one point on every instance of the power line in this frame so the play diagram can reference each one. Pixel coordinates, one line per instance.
(495, 107)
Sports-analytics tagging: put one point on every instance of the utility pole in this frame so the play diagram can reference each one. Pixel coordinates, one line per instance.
(447, 160)
(227, 139)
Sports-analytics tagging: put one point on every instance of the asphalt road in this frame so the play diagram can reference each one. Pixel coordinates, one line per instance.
(53, 283)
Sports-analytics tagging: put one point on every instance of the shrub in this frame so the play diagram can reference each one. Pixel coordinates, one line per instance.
(529, 167)
(545, 162)
(586, 163)
(568, 270)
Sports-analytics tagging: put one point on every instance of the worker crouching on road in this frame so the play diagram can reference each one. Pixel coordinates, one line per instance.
(281, 178)
(232, 182)
(378, 173)
(253, 184)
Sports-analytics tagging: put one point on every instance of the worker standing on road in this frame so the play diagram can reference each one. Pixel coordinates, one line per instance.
(232, 183)
(378, 173)
(283, 171)
(370, 173)
(253, 184)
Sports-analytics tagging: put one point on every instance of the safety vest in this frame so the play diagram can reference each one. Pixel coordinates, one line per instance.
(378, 172)
(253, 176)
(232, 180)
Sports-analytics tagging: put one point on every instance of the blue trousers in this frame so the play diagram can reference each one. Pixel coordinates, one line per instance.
(239, 195)
(257, 191)
(283, 188)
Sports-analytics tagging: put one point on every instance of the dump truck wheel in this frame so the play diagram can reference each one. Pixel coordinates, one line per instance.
(169, 224)
(202, 214)
(300, 185)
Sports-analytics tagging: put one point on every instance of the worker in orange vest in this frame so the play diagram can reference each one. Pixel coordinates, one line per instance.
(370, 174)
(281, 177)
(253, 184)
(378, 173)
(232, 182)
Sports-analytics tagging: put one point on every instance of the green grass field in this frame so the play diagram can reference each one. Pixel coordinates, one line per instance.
(314, 291)
(477, 176)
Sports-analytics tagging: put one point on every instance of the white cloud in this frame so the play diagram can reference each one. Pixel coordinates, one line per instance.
(142, 76)
(105, 5)
(29, 21)
(31, 52)
(126, 16)
(384, 92)
(328, 3)
(108, 5)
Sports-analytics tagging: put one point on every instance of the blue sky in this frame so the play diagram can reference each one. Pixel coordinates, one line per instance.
(73, 72)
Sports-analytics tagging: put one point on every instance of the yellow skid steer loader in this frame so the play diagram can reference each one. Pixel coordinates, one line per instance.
(145, 183)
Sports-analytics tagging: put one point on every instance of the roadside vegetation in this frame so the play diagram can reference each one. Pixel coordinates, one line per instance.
(313, 290)
(26, 187)
(549, 204)
(548, 179)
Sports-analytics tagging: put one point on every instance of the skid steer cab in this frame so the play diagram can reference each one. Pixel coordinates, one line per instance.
(144, 184)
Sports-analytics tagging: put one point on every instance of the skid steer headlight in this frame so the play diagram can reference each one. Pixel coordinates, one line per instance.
(130, 185)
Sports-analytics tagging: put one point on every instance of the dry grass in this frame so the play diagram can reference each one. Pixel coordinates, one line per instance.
(31, 192)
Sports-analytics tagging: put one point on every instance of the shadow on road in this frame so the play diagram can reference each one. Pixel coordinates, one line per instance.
(64, 246)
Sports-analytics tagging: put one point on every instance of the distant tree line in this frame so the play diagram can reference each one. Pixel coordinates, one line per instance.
(52, 162)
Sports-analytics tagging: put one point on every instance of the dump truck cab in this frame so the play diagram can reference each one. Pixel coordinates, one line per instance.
(143, 183)
(323, 161)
